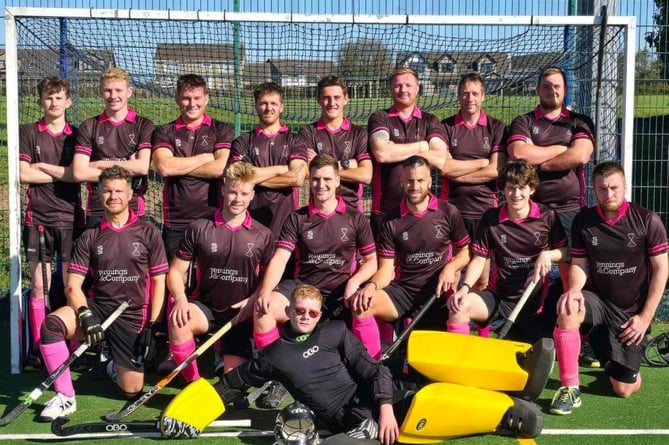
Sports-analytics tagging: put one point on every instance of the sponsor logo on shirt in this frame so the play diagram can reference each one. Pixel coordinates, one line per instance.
(311, 351)
(344, 232)
(454, 142)
(606, 268)
(405, 236)
(101, 140)
(323, 258)
(135, 249)
(310, 234)
(631, 238)
(214, 247)
(204, 140)
(131, 140)
(177, 143)
(250, 247)
(100, 250)
(396, 133)
(117, 276)
(486, 143)
(594, 241)
(439, 231)
(423, 258)
(222, 274)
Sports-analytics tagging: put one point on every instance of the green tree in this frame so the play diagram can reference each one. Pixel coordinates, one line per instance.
(659, 38)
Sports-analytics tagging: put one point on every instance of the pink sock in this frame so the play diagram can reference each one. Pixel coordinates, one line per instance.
(366, 330)
(386, 331)
(458, 328)
(36, 314)
(180, 353)
(483, 331)
(263, 339)
(54, 355)
(567, 348)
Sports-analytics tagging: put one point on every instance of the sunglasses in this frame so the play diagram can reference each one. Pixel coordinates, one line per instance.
(301, 311)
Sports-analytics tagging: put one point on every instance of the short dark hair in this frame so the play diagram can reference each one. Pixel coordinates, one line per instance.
(471, 77)
(323, 160)
(115, 172)
(607, 168)
(190, 81)
(415, 161)
(53, 84)
(332, 81)
(519, 173)
(267, 88)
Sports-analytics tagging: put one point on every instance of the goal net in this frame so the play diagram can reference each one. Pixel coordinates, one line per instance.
(235, 52)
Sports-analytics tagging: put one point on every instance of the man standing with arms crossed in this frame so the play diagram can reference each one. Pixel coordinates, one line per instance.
(118, 136)
(279, 157)
(335, 135)
(617, 276)
(476, 143)
(396, 134)
(46, 148)
(190, 154)
(126, 260)
(559, 143)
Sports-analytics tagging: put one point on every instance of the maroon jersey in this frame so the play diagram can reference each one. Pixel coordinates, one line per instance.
(465, 142)
(421, 243)
(618, 252)
(386, 191)
(326, 245)
(515, 245)
(270, 206)
(229, 259)
(52, 204)
(187, 198)
(120, 262)
(346, 142)
(561, 190)
(102, 139)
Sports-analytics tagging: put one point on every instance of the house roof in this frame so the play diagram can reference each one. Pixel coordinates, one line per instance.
(197, 52)
(299, 67)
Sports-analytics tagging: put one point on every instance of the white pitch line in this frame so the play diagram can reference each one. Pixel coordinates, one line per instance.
(612, 432)
(157, 434)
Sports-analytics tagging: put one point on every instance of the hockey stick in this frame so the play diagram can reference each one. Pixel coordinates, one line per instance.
(59, 429)
(42, 261)
(37, 392)
(115, 416)
(516, 309)
(386, 355)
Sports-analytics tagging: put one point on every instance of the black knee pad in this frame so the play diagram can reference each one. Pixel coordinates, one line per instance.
(53, 330)
(621, 373)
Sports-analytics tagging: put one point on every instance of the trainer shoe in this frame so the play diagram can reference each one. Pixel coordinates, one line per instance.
(59, 406)
(523, 419)
(367, 429)
(167, 365)
(33, 362)
(272, 397)
(587, 358)
(565, 400)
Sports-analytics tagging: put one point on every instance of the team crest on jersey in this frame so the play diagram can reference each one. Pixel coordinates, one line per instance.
(486, 143)
(100, 250)
(310, 234)
(135, 249)
(250, 247)
(396, 133)
(204, 141)
(214, 247)
(594, 241)
(131, 140)
(177, 143)
(319, 147)
(101, 140)
(405, 236)
(344, 234)
(439, 231)
(631, 236)
(502, 239)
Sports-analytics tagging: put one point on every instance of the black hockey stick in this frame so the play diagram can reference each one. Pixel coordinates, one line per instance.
(42, 261)
(388, 352)
(516, 309)
(59, 429)
(115, 416)
(37, 392)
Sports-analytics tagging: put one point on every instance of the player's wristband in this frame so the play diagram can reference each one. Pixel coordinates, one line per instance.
(469, 288)
(376, 286)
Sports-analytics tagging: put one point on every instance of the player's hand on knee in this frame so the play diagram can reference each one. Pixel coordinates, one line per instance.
(571, 303)
(454, 302)
(243, 313)
(90, 325)
(180, 314)
(363, 300)
(634, 330)
(263, 303)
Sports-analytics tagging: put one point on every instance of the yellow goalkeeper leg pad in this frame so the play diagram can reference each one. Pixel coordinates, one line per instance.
(443, 411)
(191, 411)
(501, 365)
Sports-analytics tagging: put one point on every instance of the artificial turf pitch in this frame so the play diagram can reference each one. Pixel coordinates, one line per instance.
(602, 420)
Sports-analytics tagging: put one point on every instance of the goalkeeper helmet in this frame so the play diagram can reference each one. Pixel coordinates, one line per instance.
(656, 352)
(296, 425)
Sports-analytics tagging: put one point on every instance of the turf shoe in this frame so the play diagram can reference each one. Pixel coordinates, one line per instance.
(167, 365)
(272, 397)
(565, 400)
(59, 406)
(587, 358)
(34, 362)
(523, 419)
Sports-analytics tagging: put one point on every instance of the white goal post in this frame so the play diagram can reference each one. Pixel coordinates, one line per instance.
(622, 58)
